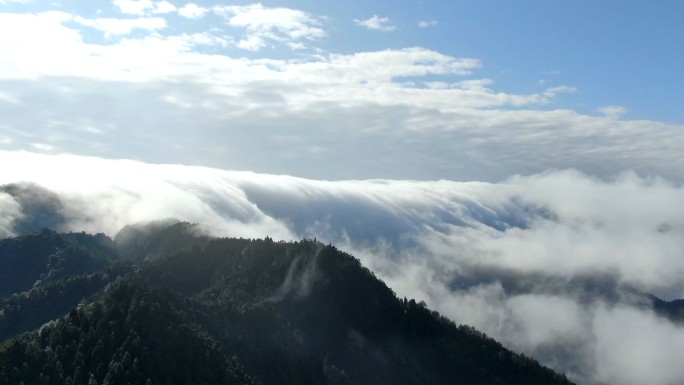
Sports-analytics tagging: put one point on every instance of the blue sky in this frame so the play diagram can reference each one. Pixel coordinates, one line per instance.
(460, 90)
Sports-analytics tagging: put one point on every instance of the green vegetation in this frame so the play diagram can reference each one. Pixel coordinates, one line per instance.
(240, 311)
(44, 256)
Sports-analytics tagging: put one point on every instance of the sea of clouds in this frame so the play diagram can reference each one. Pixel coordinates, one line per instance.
(555, 265)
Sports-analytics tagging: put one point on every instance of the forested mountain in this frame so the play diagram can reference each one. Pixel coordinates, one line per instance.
(226, 311)
(674, 310)
(45, 256)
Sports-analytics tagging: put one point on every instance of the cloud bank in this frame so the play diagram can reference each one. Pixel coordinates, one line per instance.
(554, 264)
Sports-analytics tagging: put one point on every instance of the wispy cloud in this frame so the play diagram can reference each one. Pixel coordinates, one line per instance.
(263, 24)
(613, 112)
(133, 7)
(143, 7)
(376, 23)
(111, 26)
(427, 23)
(554, 91)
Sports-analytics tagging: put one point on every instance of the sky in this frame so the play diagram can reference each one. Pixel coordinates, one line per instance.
(457, 90)
(517, 165)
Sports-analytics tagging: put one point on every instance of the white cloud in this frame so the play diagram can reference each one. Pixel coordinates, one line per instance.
(252, 43)
(401, 113)
(629, 344)
(542, 319)
(553, 91)
(111, 26)
(164, 7)
(612, 112)
(271, 24)
(8, 98)
(627, 226)
(207, 39)
(133, 7)
(143, 7)
(11, 211)
(383, 66)
(192, 11)
(585, 233)
(50, 43)
(376, 23)
(427, 23)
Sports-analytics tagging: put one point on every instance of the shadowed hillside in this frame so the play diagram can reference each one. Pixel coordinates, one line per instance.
(229, 311)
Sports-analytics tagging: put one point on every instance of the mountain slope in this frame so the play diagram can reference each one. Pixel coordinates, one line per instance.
(28, 310)
(46, 255)
(132, 335)
(230, 311)
(314, 307)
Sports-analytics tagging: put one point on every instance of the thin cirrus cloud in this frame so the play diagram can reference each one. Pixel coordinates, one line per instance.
(612, 111)
(141, 7)
(112, 26)
(561, 279)
(376, 23)
(427, 23)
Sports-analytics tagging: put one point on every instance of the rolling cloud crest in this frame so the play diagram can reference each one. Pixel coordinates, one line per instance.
(555, 265)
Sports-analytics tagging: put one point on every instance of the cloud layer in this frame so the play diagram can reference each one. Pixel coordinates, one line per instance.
(151, 77)
(554, 264)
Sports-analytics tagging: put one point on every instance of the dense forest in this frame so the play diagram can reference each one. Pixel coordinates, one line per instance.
(160, 304)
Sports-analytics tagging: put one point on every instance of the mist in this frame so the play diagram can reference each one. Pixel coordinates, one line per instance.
(557, 265)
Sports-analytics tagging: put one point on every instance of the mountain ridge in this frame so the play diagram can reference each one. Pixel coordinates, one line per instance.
(283, 312)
